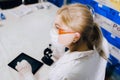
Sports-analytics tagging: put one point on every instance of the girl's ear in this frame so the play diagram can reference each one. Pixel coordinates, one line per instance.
(77, 37)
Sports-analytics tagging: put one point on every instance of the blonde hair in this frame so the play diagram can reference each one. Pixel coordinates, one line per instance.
(79, 18)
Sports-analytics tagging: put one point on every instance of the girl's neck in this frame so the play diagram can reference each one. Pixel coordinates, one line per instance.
(83, 47)
(80, 47)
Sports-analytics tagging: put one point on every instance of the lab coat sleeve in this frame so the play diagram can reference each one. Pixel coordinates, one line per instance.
(29, 77)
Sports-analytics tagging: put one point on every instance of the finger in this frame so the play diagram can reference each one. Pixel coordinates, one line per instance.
(16, 67)
(25, 63)
(24, 60)
(18, 63)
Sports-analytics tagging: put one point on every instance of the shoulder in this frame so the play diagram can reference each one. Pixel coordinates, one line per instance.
(75, 67)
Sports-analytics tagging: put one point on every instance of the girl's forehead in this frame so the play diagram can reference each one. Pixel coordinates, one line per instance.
(58, 21)
(58, 18)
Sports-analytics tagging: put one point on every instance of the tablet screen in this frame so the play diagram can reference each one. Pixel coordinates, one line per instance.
(35, 64)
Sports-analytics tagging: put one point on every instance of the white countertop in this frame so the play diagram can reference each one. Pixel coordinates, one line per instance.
(28, 34)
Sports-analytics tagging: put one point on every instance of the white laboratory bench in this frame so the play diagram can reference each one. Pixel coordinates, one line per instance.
(28, 34)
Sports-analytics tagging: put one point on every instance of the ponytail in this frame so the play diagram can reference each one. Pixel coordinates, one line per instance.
(98, 40)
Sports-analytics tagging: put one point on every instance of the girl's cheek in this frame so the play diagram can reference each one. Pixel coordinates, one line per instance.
(66, 39)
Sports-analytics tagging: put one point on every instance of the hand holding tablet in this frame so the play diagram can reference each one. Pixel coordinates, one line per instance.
(24, 68)
(25, 64)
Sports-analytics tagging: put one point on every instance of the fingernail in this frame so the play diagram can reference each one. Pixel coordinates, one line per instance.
(18, 63)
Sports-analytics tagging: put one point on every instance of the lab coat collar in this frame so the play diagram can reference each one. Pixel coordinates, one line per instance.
(69, 56)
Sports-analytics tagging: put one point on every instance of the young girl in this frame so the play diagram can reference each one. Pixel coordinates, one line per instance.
(86, 58)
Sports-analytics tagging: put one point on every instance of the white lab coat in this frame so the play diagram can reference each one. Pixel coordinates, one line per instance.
(86, 65)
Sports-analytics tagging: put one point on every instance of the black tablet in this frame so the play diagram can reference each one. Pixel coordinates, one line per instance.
(35, 64)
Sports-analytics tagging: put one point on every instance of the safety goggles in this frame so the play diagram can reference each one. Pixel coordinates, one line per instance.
(61, 31)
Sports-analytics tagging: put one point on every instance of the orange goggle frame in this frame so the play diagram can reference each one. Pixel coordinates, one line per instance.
(61, 31)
